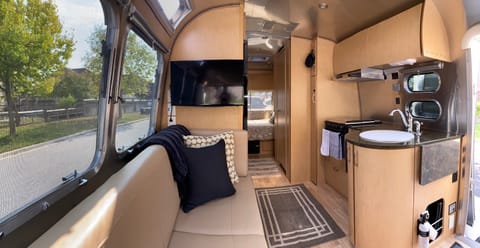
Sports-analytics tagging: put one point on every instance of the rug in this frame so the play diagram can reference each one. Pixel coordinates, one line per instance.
(263, 167)
(456, 245)
(293, 218)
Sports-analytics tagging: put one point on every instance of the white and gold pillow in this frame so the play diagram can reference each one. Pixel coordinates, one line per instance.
(195, 141)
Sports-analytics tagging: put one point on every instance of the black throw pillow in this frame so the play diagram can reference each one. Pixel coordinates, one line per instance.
(207, 177)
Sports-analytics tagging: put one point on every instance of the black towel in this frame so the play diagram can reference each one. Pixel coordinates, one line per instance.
(170, 138)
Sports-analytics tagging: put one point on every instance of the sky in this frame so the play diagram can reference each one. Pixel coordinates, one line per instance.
(79, 17)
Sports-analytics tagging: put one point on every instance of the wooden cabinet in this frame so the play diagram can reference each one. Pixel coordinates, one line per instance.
(417, 33)
(292, 99)
(380, 197)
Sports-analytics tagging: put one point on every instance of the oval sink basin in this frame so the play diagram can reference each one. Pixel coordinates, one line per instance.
(387, 136)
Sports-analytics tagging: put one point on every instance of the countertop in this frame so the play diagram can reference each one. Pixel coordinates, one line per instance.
(427, 137)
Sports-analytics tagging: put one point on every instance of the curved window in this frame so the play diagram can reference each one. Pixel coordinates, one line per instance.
(138, 92)
(423, 82)
(171, 11)
(428, 109)
(49, 96)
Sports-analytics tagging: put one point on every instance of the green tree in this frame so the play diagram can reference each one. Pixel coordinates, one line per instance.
(139, 63)
(67, 102)
(76, 83)
(33, 49)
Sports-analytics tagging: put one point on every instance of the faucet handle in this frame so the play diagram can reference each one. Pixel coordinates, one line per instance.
(409, 120)
(418, 126)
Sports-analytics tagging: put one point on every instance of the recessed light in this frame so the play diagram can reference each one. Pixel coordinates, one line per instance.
(323, 5)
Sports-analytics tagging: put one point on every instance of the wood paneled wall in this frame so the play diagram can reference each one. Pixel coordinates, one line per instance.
(300, 111)
(215, 34)
(334, 100)
(260, 80)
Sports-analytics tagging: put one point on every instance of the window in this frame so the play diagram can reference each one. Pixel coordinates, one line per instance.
(260, 105)
(173, 11)
(50, 71)
(424, 82)
(138, 92)
(425, 109)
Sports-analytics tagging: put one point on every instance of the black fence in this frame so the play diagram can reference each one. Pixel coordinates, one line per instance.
(86, 108)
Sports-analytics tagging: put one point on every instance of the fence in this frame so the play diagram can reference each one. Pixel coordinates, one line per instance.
(86, 108)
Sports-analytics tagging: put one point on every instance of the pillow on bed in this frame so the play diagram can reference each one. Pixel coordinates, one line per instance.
(207, 177)
(195, 141)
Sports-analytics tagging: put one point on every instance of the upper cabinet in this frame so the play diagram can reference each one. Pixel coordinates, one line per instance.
(417, 33)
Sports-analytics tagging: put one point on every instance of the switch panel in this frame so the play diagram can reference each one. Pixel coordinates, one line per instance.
(452, 208)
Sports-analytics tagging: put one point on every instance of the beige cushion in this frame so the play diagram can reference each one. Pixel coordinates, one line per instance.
(136, 207)
(187, 240)
(198, 141)
(234, 215)
(241, 147)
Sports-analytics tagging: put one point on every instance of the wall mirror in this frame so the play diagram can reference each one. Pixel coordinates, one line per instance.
(423, 82)
(425, 109)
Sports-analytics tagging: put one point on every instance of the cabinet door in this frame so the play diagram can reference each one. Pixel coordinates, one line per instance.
(383, 182)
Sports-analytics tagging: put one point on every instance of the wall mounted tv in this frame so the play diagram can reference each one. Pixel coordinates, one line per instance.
(207, 83)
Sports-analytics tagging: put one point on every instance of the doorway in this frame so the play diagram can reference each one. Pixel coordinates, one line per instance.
(472, 229)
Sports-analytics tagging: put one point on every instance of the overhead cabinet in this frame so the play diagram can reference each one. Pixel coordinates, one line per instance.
(417, 33)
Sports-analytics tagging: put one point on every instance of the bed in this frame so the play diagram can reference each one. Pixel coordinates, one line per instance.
(260, 129)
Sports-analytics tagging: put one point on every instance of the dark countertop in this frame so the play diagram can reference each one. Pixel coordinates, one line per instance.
(427, 137)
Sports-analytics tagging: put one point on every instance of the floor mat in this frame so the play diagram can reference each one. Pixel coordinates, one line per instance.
(293, 218)
(456, 245)
(263, 167)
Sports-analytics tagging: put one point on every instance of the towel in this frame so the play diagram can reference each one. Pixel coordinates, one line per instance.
(335, 147)
(325, 147)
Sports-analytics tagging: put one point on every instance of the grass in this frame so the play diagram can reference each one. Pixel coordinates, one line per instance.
(41, 132)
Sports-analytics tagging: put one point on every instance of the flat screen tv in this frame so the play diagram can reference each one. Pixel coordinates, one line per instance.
(207, 83)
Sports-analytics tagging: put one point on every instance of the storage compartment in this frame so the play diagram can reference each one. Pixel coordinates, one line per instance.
(435, 210)
(253, 146)
(398, 40)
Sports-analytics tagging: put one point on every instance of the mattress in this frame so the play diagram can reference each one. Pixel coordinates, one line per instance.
(260, 130)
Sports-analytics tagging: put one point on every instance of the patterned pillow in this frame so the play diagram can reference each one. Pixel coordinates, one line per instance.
(194, 141)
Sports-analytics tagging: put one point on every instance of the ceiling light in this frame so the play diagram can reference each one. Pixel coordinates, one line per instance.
(267, 43)
(323, 5)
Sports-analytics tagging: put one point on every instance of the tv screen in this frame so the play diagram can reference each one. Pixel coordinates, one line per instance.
(207, 83)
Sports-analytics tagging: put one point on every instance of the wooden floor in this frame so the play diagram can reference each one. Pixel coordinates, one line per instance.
(336, 206)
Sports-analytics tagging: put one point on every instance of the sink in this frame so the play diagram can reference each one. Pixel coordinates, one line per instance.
(387, 136)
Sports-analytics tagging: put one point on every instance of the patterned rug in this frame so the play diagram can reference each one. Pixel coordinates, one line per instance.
(263, 167)
(293, 218)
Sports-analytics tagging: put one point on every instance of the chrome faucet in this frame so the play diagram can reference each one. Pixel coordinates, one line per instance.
(407, 121)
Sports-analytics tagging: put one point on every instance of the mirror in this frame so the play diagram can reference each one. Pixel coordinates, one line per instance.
(423, 82)
(429, 109)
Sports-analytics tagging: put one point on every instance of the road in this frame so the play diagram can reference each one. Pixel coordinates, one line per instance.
(30, 173)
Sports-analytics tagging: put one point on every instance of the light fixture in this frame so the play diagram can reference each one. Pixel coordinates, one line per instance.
(323, 5)
(267, 43)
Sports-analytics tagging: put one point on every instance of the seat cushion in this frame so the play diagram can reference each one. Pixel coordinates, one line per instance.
(207, 177)
(183, 240)
(234, 215)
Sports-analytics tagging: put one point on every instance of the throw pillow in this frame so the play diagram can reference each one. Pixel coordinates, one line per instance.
(207, 177)
(195, 141)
